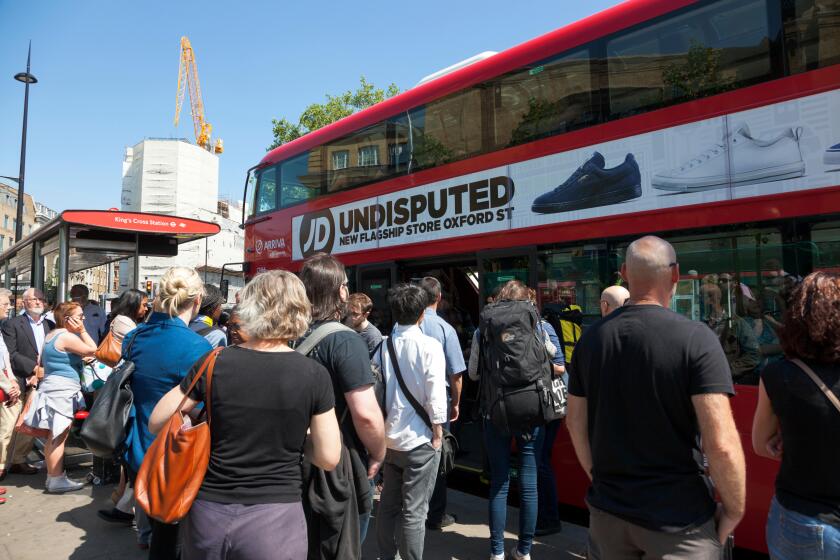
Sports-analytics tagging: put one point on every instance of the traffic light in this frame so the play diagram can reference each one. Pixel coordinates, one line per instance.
(149, 287)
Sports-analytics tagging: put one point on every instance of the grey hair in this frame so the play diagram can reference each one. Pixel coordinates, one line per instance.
(274, 306)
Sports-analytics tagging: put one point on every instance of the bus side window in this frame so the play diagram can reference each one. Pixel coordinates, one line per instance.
(266, 192)
(695, 53)
(300, 180)
(811, 34)
(546, 98)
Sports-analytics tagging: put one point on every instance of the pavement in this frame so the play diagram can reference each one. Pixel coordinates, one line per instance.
(39, 526)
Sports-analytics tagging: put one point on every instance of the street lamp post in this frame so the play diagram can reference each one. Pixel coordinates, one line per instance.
(27, 78)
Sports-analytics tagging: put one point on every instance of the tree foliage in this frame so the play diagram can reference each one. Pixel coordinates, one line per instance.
(335, 108)
(697, 76)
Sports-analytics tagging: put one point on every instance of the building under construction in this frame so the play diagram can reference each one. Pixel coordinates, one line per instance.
(176, 177)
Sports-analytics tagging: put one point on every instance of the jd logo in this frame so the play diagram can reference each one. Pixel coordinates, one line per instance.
(317, 233)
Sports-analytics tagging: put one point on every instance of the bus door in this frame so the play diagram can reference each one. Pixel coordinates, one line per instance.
(375, 280)
(496, 268)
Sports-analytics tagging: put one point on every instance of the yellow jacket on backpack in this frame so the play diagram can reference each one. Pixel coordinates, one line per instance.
(570, 320)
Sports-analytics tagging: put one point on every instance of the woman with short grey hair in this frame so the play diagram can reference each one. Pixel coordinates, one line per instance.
(264, 398)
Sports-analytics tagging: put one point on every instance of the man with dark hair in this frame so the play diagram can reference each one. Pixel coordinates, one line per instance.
(413, 457)
(433, 325)
(206, 323)
(648, 396)
(359, 307)
(95, 316)
(345, 355)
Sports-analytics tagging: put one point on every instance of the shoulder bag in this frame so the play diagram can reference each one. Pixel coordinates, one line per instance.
(176, 462)
(104, 430)
(110, 350)
(449, 445)
(815, 378)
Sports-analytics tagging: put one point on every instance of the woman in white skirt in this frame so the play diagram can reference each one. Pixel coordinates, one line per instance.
(59, 394)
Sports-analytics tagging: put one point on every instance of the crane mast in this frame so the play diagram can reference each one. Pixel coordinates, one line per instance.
(188, 80)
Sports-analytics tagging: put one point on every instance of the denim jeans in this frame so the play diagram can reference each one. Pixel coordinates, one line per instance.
(498, 456)
(141, 520)
(548, 513)
(791, 535)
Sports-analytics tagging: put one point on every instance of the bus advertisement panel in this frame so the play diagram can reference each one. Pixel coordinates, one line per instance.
(774, 149)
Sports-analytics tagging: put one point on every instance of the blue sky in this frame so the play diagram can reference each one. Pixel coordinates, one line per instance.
(108, 72)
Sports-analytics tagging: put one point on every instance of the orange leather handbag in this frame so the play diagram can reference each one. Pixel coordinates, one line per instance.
(174, 466)
(109, 351)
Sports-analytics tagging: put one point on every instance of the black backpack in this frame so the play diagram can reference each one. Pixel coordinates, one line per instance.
(518, 389)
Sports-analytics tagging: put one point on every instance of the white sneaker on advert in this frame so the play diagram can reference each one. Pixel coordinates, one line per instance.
(751, 160)
(62, 484)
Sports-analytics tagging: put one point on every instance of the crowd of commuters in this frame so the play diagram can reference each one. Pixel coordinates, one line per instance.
(648, 411)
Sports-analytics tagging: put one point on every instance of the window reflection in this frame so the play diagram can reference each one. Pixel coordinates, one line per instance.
(546, 98)
(702, 52)
(812, 33)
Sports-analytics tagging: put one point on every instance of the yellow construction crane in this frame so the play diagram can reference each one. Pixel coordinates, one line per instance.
(188, 79)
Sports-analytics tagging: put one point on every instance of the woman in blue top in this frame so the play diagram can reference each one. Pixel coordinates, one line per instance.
(163, 350)
(59, 394)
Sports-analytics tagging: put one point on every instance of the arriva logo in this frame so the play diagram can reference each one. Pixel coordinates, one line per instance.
(269, 245)
(317, 233)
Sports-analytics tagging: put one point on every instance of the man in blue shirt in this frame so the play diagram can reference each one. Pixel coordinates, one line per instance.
(440, 330)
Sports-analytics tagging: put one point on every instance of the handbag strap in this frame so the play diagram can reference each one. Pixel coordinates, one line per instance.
(128, 348)
(815, 378)
(208, 366)
(421, 412)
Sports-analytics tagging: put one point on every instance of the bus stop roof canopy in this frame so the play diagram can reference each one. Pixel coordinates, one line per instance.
(79, 239)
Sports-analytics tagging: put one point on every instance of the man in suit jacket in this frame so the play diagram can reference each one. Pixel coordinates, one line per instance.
(24, 336)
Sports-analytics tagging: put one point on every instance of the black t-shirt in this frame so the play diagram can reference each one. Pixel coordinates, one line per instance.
(371, 336)
(637, 369)
(261, 406)
(809, 477)
(346, 358)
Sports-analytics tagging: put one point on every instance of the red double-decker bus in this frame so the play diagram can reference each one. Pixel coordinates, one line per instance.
(714, 124)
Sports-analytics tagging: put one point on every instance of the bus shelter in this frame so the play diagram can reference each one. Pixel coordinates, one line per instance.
(76, 240)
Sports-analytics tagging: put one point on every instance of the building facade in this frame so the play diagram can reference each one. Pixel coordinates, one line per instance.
(173, 176)
(8, 215)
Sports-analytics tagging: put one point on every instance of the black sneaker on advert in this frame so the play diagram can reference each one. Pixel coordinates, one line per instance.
(592, 185)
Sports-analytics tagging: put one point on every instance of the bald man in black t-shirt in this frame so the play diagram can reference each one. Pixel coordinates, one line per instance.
(643, 380)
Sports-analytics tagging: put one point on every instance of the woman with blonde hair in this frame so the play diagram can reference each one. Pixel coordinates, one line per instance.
(60, 393)
(163, 350)
(264, 398)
